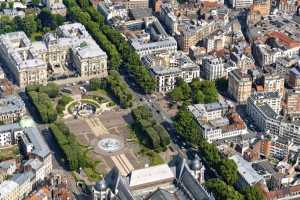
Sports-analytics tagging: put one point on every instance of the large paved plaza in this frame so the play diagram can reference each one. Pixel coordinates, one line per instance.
(108, 135)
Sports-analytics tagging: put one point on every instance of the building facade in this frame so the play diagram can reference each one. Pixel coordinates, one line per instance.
(213, 67)
(12, 108)
(167, 67)
(273, 83)
(70, 46)
(239, 85)
(217, 122)
(22, 60)
(176, 180)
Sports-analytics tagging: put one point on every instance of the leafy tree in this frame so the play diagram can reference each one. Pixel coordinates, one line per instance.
(150, 133)
(116, 86)
(7, 25)
(48, 20)
(176, 94)
(228, 170)
(196, 84)
(62, 102)
(58, 20)
(43, 105)
(28, 24)
(252, 193)
(210, 153)
(35, 2)
(198, 97)
(11, 5)
(221, 191)
(186, 126)
(95, 84)
(51, 89)
(3, 5)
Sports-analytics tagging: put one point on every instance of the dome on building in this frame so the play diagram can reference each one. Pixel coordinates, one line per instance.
(100, 185)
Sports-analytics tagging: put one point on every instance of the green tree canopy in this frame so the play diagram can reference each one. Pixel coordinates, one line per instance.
(221, 191)
(252, 193)
(228, 170)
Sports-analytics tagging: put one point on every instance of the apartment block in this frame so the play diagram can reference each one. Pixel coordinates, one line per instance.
(239, 85)
(292, 102)
(273, 83)
(167, 67)
(213, 67)
(217, 122)
(12, 108)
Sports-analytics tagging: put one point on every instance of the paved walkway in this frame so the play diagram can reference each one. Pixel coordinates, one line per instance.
(123, 164)
(96, 126)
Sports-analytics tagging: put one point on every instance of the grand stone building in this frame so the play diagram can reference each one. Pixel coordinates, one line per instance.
(22, 59)
(176, 180)
(70, 46)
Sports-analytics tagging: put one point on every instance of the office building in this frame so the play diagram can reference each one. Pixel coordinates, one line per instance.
(56, 6)
(168, 18)
(239, 85)
(35, 169)
(152, 39)
(9, 190)
(262, 7)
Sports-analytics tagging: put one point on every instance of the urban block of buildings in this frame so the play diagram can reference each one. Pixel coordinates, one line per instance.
(33, 170)
(147, 36)
(167, 67)
(217, 121)
(264, 109)
(70, 46)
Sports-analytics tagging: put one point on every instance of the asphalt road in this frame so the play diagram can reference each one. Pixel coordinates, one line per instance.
(178, 144)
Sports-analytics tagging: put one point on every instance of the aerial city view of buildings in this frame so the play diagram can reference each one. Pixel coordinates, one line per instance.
(149, 99)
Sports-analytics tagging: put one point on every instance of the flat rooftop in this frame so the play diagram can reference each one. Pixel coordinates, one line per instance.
(151, 175)
(246, 170)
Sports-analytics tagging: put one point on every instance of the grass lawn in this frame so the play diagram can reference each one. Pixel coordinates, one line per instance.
(98, 92)
(92, 174)
(37, 36)
(154, 157)
(9, 153)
